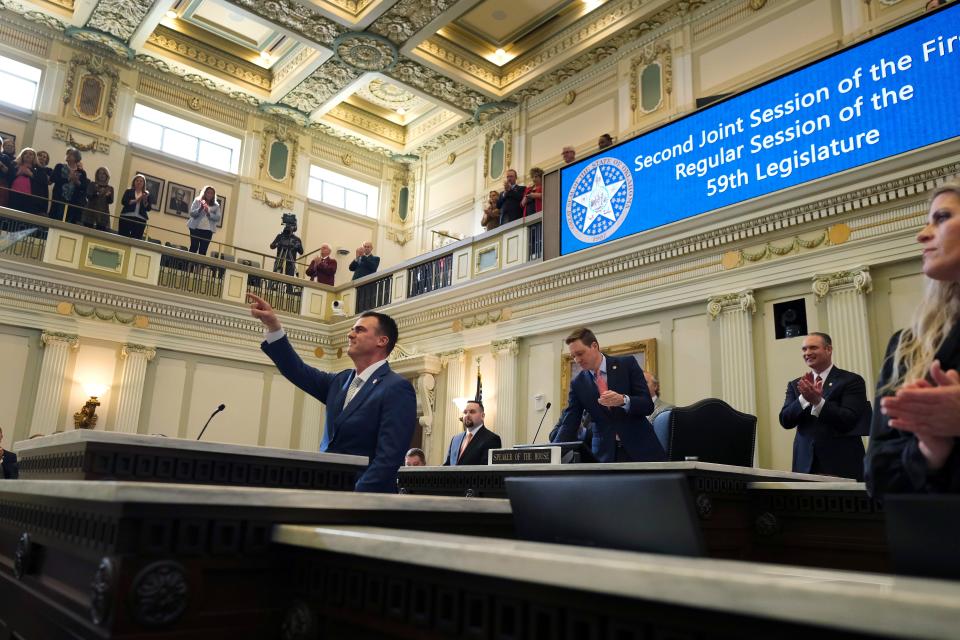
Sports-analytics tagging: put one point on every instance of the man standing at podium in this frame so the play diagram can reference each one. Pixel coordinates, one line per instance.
(371, 411)
(614, 392)
(471, 446)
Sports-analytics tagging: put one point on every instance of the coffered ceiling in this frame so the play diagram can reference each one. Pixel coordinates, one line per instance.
(399, 75)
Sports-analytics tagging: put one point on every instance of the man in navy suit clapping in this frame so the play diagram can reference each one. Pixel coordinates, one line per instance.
(614, 392)
(371, 411)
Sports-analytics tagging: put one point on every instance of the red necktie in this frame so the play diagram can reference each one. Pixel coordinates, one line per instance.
(464, 444)
(600, 380)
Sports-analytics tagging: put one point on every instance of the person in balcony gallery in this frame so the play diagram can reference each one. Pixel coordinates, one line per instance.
(20, 180)
(288, 246)
(509, 200)
(914, 432)
(99, 201)
(365, 263)
(135, 208)
(42, 174)
(7, 171)
(205, 215)
(491, 213)
(532, 201)
(69, 187)
(323, 268)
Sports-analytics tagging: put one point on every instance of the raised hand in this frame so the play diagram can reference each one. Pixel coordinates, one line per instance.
(262, 311)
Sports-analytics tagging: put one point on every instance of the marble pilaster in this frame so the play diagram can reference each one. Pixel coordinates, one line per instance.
(455, 362)
(845, 294)
(734, 312)
(135, 357)
(46, 408)
(311, 423)
(507, 425)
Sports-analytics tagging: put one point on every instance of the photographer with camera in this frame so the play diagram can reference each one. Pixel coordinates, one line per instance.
(288, 246)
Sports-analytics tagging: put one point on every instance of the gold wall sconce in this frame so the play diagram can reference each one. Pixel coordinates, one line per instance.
(86, 418)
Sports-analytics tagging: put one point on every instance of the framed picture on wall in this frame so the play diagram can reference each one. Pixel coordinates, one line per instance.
(222, 201)
(154, 187)
(178, 200)
(9, 136)
(643, 351)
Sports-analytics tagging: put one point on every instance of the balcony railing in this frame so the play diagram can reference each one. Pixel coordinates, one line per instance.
(535, 242)
(430, 276)
(183, 274)
(374, 294)
(282, 296)
(22, 239)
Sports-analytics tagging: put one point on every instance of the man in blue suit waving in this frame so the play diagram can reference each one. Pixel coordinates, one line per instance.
(371, 411)
(614, 392)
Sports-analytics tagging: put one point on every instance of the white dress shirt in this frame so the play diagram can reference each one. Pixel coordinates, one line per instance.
(815, 411)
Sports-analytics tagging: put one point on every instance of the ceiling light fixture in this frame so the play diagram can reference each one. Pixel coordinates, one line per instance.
(401, 111)
(265, 57)
(172, 14)
(592, 4)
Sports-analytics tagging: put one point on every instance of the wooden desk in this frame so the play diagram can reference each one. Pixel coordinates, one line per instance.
(83, 454)
(136, 560)
(719, 491)
(832, 524)
(453, 586)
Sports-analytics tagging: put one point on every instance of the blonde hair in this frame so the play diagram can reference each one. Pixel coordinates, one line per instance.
(935, 317)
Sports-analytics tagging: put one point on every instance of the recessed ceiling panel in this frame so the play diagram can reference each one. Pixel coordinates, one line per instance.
(501, 21)
(231, 23)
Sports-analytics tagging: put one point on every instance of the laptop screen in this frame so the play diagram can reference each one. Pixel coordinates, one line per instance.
(652, 513)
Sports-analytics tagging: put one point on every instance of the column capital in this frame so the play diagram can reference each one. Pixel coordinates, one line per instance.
(857, 279)
(138, 349)
(450, 357)
(740, 301)
(509, 346)
(55, 337)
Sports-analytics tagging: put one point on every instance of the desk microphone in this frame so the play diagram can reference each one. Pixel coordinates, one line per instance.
(545, 409)
(219, 409)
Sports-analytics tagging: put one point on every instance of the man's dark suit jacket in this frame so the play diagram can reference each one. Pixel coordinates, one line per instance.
(476, 451)
(894, 462)
(378, 423)
(11, 470)
(636, 434)
(832, 437)
(509, 204)
(364, 266)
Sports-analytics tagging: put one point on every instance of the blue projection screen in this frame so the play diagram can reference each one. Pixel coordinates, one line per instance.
(886, 96)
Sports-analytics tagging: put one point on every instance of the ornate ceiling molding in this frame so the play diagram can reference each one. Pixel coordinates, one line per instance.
(119, 18)
(366, 52)
(234, 68)
(406, 18)
(363, 120)
(196, 79)
(324, 83)
(296, 17)
(106, 40)
(437, 85)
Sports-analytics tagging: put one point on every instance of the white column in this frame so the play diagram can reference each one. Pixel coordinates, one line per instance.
(505, 352)
(455, 363)
(311, 423)
(46, 409)
(425, 387)
(136, 357)
(734, 312)
(845, 293)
